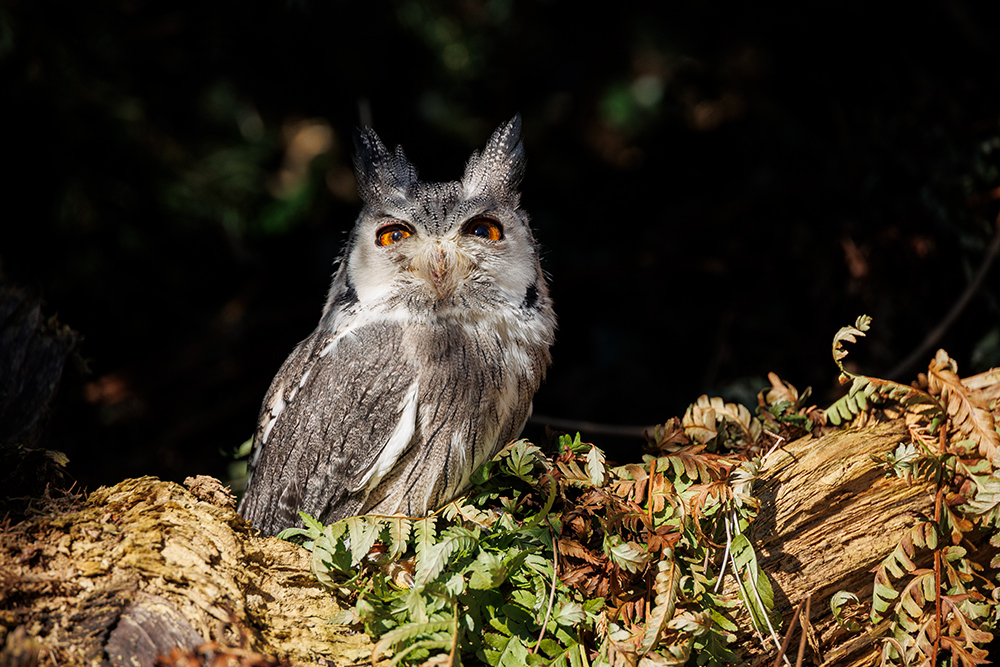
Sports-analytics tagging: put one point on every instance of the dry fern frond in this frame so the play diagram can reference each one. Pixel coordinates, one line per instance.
(972, 418)
(702, 420)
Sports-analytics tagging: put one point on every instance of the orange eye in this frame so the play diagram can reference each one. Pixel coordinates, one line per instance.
(484, 228)
(391, 234)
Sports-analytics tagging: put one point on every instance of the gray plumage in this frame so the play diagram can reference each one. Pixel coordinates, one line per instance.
(433, 341)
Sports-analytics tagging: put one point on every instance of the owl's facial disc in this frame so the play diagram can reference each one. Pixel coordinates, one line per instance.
(442, 265)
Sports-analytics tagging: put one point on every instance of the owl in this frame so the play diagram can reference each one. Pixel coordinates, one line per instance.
(434, 338)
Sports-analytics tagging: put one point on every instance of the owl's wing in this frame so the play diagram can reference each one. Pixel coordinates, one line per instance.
(338, 415)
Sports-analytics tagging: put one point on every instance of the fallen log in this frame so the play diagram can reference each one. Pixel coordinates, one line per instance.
(145, 566)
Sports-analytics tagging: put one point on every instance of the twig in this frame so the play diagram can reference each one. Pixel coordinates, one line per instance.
(938, 499)
(725, 557)
(804, 624)
(918, 355)
(791, 628)
(788, 635)
(552, 595)
(753, 587)
(453, 655)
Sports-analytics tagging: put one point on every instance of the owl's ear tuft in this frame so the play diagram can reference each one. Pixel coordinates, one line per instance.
(378, 171)
(499, 168)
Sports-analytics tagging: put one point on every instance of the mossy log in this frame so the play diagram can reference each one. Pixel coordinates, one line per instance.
(144, 566)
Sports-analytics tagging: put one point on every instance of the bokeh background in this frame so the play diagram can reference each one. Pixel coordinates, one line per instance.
(718, 186)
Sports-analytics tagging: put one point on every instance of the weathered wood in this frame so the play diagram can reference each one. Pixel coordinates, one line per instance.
(829, 516)
(144, 566)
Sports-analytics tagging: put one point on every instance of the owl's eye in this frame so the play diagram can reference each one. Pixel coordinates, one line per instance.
(391, 234)
(484, 228)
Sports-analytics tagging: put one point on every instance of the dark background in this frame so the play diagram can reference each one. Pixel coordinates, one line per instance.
(718, 187)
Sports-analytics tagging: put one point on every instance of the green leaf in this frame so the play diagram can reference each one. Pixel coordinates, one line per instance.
(521, 460)
(569, 614)
(398, 530)
(408, 632)
(752, 579)
(363, 531)
(482, 474)
(426, 536)
(514, 654)
(455, 585)
(487, 572)
(629, 555)
(527, 599)
(882, 596)
(837, 602)
(435, 558)
(572, 444)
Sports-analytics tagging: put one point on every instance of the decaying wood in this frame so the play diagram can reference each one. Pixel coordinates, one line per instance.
(145, 566)
(828, 516)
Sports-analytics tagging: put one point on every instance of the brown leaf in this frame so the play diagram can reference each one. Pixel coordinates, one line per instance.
(972, 418)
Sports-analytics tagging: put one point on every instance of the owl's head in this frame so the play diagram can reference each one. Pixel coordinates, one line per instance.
(440, 248)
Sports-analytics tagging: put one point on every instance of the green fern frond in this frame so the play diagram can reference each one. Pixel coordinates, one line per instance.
(433, 561)
(397, 532)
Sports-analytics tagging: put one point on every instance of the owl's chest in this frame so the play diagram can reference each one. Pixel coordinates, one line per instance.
(455, 348)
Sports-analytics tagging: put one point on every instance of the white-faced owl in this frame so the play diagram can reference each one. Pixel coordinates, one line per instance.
(434, 338)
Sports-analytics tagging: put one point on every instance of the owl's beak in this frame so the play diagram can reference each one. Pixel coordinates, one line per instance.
(443, 266)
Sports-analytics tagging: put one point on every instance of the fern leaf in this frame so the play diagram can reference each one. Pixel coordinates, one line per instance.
(597, 467)
(851, 404)
(699, 420)
(667, 588)
(882, 595)
(440, 640)
(781, 392)
(436, 558)
(970, 416)
(573, 473)
(323, 561)
(837, 603)
(629, 556)
(899, 563)
(521, 460)
(399, 529)
(970, 632)
(738, 414)
(426, 536)
(917, 592)
(363, 531)
(407, 633)
(966, 656)
(986, 503)
(849, 335)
